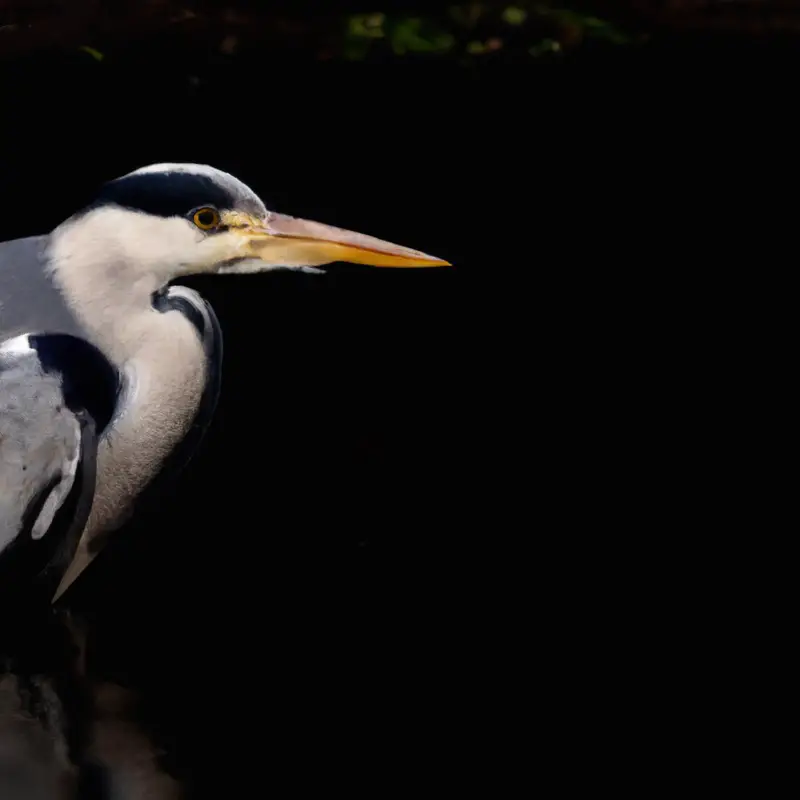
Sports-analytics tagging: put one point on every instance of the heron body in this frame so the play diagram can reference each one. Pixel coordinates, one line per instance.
(105, 276)
(165, 344)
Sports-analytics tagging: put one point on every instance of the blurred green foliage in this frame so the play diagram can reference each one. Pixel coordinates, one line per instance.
(469, 31)
(590, 26)
(530, 28)
(461, 31)
(403, 35)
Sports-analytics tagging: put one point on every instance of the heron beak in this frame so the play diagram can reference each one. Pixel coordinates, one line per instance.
(290, 242)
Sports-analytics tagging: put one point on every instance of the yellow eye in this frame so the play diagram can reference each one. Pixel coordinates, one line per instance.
(206, 218)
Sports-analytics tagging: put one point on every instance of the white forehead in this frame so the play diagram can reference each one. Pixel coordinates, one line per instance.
(196, 169)
(224, 179)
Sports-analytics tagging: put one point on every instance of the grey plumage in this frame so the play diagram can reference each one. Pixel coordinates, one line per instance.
(57, 395)
(40, 447)
(29, 300)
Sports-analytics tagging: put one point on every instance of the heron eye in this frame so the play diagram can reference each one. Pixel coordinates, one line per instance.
(206, 218)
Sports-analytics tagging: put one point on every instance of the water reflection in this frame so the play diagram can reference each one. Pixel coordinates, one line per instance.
(64, 735)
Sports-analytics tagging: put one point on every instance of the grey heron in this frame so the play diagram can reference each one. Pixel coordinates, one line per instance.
(105, 275)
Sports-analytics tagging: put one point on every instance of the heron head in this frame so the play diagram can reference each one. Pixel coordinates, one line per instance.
(181, 219)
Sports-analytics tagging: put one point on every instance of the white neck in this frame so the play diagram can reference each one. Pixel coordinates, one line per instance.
(97, 263)
(161, 353)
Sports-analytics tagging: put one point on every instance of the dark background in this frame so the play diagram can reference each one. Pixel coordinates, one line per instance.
(416, 477)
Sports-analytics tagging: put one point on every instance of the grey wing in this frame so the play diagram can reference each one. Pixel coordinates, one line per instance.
(29, 300)
(41, 444)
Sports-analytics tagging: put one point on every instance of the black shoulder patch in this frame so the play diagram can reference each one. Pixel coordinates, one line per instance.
(89, 379)
(165, 194)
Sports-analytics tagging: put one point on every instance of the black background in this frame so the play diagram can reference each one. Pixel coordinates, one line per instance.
(406, 461)
(293, 598)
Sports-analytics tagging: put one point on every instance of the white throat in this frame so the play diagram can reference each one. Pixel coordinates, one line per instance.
(109, 263)
(100, 270)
